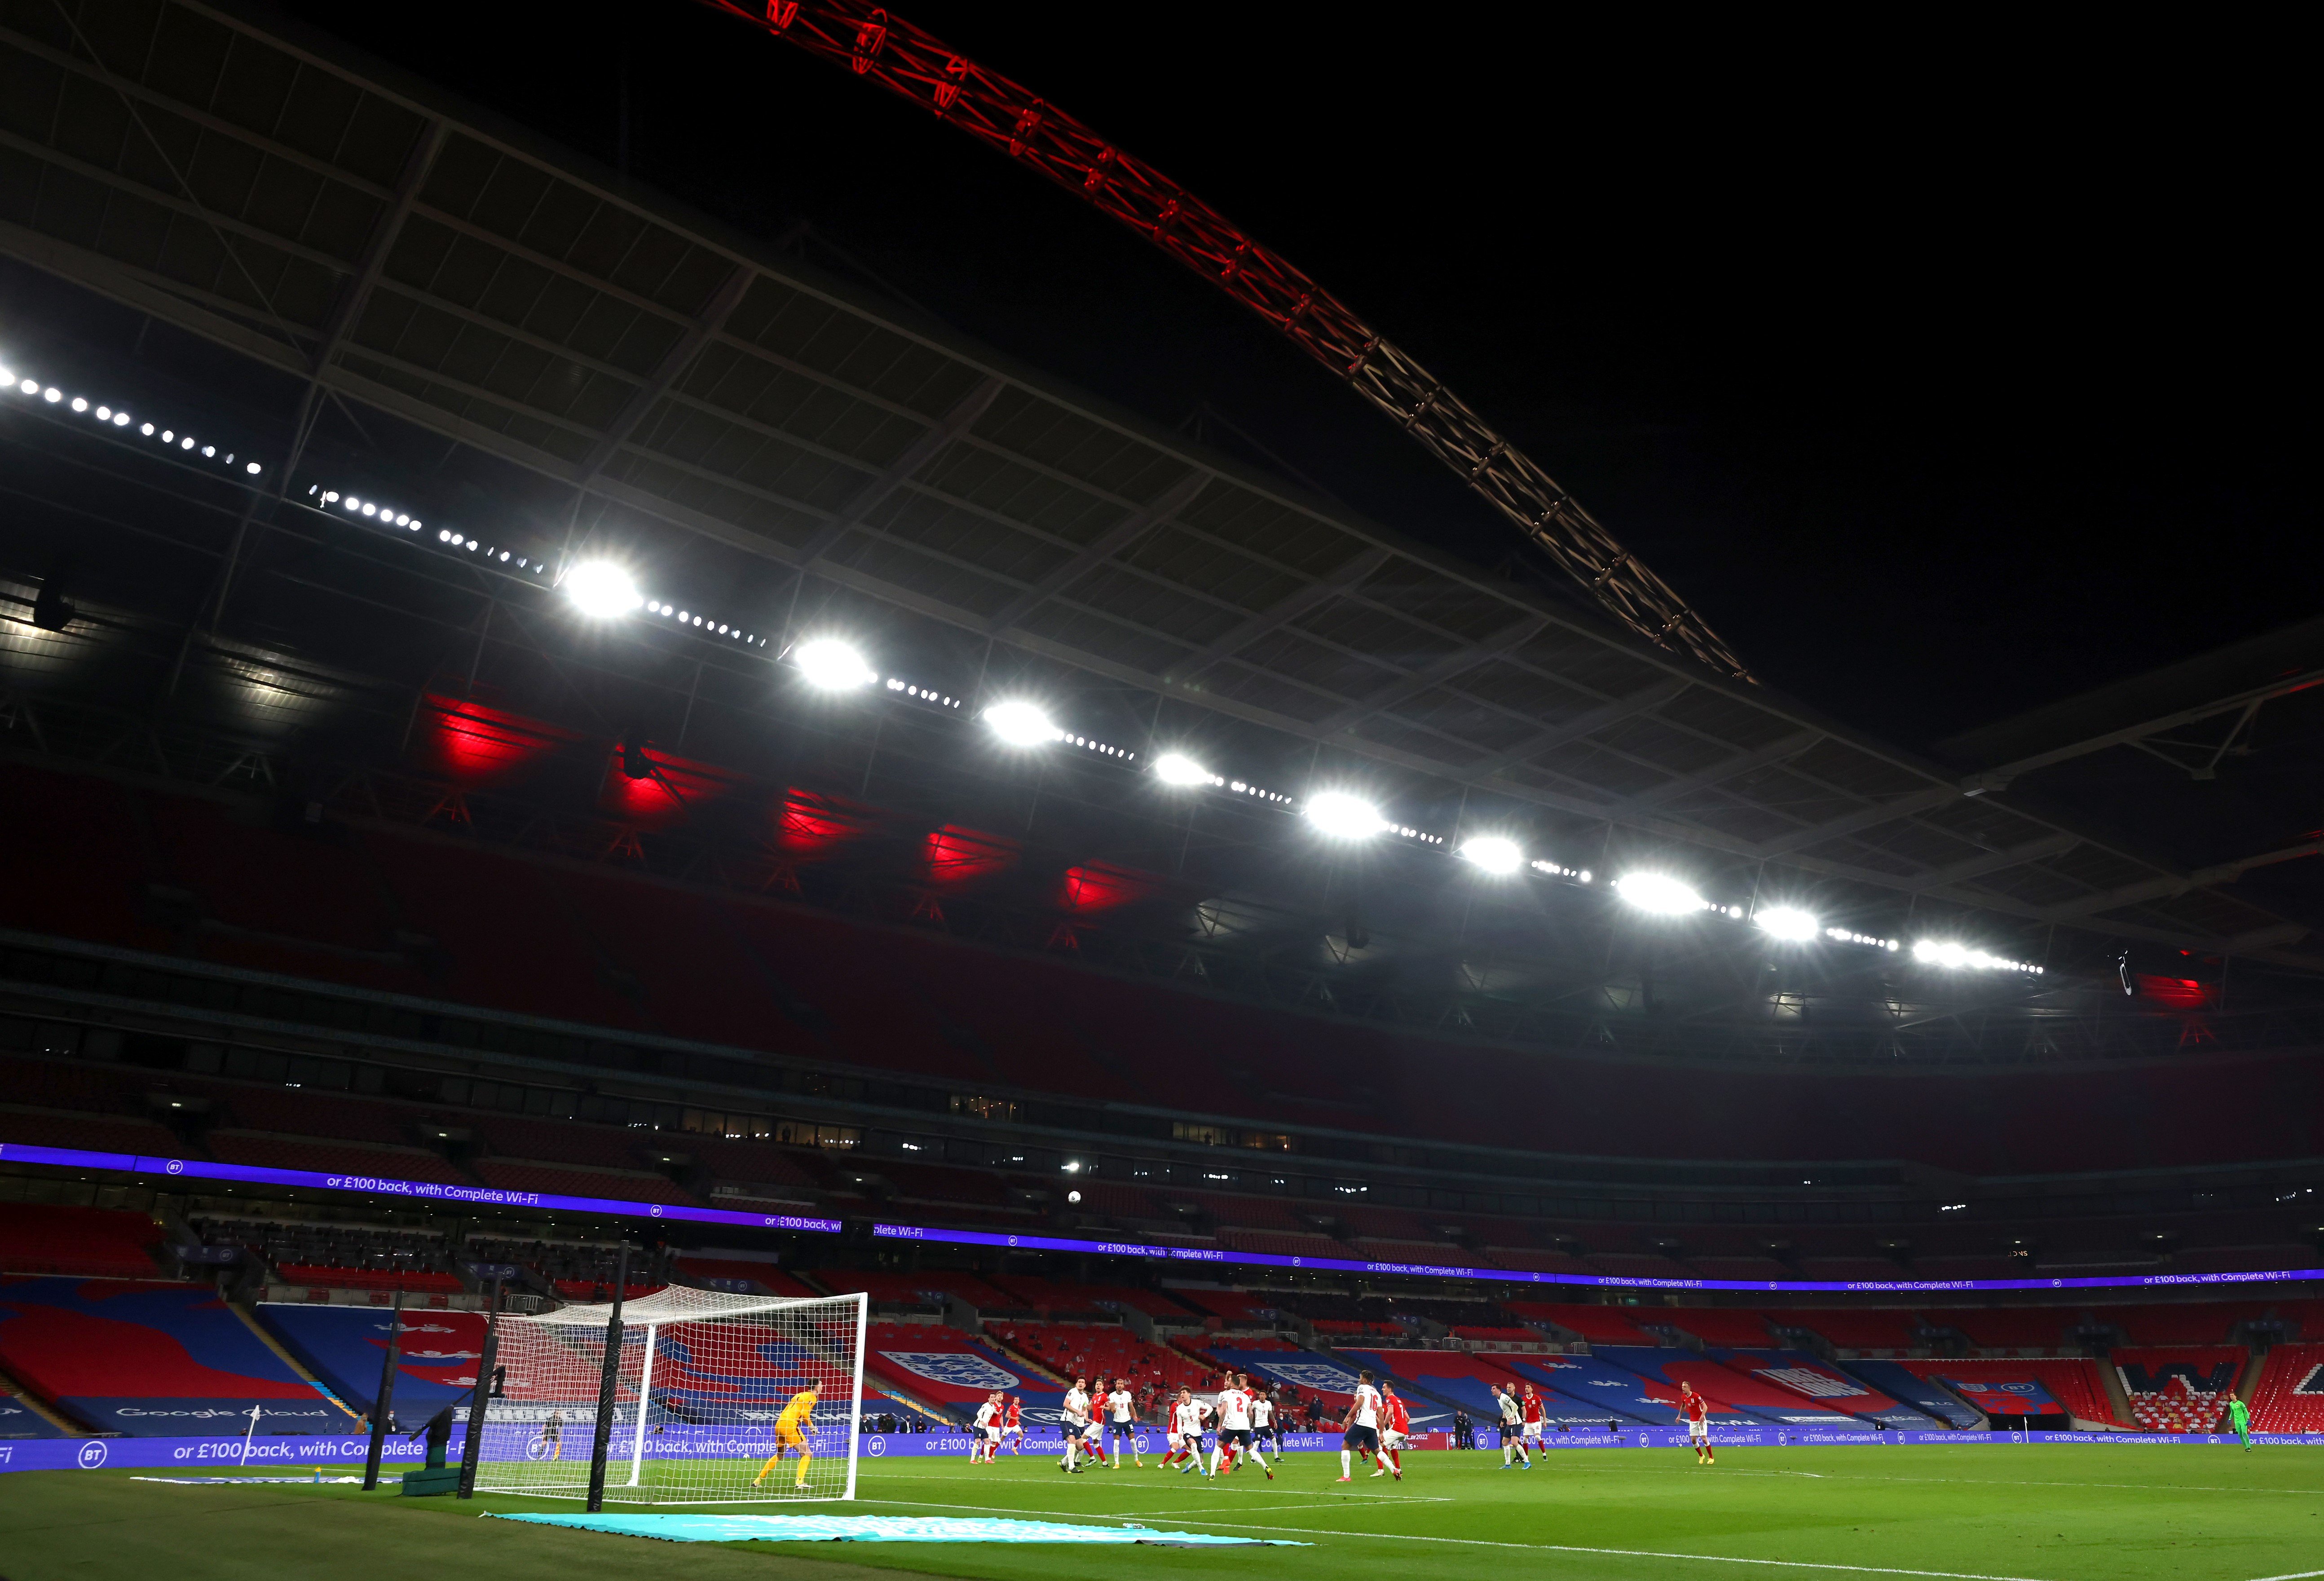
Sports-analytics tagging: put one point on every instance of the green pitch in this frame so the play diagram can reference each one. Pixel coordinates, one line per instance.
(2024, 1513)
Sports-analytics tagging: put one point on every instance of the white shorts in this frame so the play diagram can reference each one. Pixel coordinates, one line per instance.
(1015, 1429)
(1392, 1439)
(1699, 1430)
(1533, 1432)
(993, 1434)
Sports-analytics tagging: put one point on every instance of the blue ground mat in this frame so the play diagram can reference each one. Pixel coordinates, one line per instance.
(881, 1528)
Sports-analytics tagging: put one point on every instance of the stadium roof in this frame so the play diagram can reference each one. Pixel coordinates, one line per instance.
(245, 180)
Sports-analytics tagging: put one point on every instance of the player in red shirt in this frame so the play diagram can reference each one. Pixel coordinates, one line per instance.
(1013, 1425)
(1696, 1409)
(1394, 1430)
(1530, 1433)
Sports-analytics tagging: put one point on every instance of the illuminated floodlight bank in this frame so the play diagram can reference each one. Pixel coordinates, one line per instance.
(1660, 893)
(1177, 768)
(1549, 870)
(1342, 817)
(1848, 936)
(601, 589)
(1957, 956)
(1020, 724)
(1787, 923)
(832, 664)
(923, 693)
(1493, 853)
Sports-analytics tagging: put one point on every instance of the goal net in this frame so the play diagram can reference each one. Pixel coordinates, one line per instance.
(718, 1400)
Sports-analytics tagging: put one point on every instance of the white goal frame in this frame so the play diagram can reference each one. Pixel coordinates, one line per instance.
(539, 1436)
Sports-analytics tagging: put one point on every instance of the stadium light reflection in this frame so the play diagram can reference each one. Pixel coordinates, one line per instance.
(1342, 817)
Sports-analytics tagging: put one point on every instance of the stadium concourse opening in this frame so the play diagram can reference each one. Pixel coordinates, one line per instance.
(647, 874)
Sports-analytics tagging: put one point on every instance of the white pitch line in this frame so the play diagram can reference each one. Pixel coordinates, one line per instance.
(1997, 1482)
(2295, 1576)
(1210, 1485)
(1551, 1547)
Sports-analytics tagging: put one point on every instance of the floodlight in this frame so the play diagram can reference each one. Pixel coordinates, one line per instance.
(599, 589)
(1020, 724)
(1177, 768)
(1342, 817)
(1494, 853)
(1787, 922)
(1657, 892)
(1073, 1196)
(831, 663)
(1949, 954)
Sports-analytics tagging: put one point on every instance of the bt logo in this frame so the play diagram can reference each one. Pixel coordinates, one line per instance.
(92, 1455)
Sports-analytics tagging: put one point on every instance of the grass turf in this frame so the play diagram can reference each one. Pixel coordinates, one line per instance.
(2036, 1513)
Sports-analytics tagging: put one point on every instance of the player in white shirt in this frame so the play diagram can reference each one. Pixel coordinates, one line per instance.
(1234, 1440)
(1262, 1424)
(1076, 1423)
(1361, 1426)
(1186, 1417)
(1121, 1424)
(1174, 1411)
(987, 1441)
(1512, 1429)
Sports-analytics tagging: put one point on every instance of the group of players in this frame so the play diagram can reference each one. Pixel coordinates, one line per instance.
(1239, 1419)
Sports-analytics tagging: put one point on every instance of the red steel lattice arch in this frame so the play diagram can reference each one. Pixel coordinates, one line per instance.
(873, 44)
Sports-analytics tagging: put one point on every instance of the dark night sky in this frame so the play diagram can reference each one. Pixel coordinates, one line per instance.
(1944, 375)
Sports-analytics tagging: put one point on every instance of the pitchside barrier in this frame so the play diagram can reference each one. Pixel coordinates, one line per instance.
(291, 1456)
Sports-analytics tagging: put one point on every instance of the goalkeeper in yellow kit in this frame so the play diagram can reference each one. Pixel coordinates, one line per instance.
(791, 1429)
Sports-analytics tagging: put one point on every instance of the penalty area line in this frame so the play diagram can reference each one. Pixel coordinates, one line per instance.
(1191, 1518)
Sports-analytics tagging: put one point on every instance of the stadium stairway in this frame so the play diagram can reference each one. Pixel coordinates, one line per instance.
(1463, 1380)
(2289, 1397)
(343, 1348)
(150, 1359)
(1999, 1386)
(1922, 1395)
(1663, 1370)
(1821, 1384)
(950, 1371)
(1609, 1393)
(25, 1415)
(352, 1403)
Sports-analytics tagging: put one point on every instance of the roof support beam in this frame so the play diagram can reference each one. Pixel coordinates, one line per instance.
(916, 455)
(356, 295)
(1879, 812)
(1416, 682)
(1113, 539)
(1315, 593)
(669, 370)
(1597, 719)
(1992, 861)
(1776, 751)
(2250, 699)
(2162, 888)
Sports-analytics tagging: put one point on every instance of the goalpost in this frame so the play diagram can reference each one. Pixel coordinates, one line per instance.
(710, 1400)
